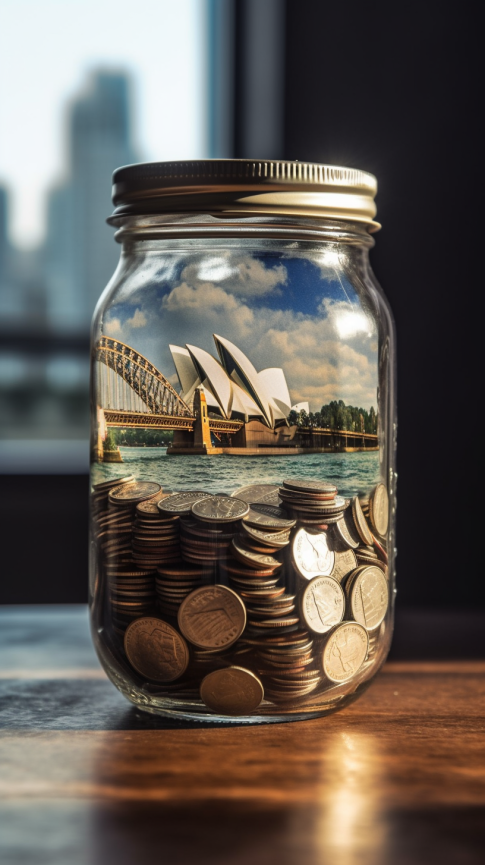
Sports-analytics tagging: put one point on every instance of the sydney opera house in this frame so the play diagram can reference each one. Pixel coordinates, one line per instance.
(233, 389)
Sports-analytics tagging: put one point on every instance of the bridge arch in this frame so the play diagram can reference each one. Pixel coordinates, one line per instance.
(152, 389)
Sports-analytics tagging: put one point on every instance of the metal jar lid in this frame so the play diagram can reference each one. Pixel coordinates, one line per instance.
(246, 187)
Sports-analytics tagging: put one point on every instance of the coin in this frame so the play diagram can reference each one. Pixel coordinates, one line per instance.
(345, 563)
(134, 492)
(323, 604)
(381, 551)
(262, 493)
(150, 506)
(311, 486)
(368, 596)
(311, 554)
(232, 691)
(268, 539)
(268, 517)
(107, 485)
(212, 617)
(344, 534)
(252, 559)
(220, 509)
(345, 652)
(181, 503)
(156, 650)
(379, 509)
(360, 521)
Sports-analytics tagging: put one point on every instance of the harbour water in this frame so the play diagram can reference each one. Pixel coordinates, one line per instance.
(352, 473)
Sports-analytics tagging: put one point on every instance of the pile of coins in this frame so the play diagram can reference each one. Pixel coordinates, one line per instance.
(274, 595)
(155, 538)
(207, 533)
(176, 580)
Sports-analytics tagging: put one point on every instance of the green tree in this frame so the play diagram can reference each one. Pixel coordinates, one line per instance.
(109, 443)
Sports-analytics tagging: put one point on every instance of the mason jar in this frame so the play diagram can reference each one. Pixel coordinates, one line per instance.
(243, 442)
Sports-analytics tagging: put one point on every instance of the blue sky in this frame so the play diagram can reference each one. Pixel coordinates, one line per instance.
(48, 47)
(298, 313)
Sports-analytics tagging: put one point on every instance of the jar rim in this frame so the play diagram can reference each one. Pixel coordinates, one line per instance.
(243, 186)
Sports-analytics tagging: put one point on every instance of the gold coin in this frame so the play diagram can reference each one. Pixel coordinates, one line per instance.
(379, 509)
(345, 652)
(156, 650)
(232, 691)
(251, 559)
(133, 492)
(212, 617)
(360, 522)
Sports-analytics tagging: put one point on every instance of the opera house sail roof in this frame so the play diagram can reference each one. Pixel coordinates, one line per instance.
(232, 386)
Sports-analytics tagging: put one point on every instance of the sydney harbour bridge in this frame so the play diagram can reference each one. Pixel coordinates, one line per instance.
(133, 393)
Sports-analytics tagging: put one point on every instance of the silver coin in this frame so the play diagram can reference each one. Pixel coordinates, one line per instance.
(181, 503)
(262, 493)
(311, 554)
(220, 509)
(345, 563)
(323, 604)
(313, 486)
(345, 651)
(368, 596)
(268, 517)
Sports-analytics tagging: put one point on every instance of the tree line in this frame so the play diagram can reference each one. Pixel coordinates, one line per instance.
(337, 415)
(137, 438)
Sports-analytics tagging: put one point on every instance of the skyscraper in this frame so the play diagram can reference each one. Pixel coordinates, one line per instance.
(80, 254)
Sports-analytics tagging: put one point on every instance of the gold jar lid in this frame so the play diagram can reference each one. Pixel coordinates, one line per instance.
(245, 187)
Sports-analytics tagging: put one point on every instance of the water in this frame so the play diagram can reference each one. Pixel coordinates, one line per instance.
(352, 473)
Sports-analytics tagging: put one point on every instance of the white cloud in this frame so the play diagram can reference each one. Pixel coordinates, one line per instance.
(242, 274)
(138, 319)
(112, 327)
(322, 358)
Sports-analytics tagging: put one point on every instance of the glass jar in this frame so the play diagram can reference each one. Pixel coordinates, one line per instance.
(243, 442)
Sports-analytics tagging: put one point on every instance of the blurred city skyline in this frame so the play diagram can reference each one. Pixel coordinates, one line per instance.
(161, 50)
(100, 89)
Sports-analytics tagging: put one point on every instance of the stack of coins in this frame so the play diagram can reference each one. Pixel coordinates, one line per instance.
(122, 501)
(131, 583)
(132, 594)
(287, 665)
(207, 534)
(100, 493)
(312, 502)
(268, 605)
(156, 536)
(175, 580)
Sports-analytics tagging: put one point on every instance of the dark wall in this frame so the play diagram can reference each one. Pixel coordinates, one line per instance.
(393, 89)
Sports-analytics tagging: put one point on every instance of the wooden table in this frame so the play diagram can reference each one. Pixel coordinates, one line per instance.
(398, 777)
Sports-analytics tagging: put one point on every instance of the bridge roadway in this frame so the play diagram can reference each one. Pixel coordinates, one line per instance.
(141, 420)
(133, 419)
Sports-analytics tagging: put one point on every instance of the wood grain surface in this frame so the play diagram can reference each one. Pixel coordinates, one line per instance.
(397, 777)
